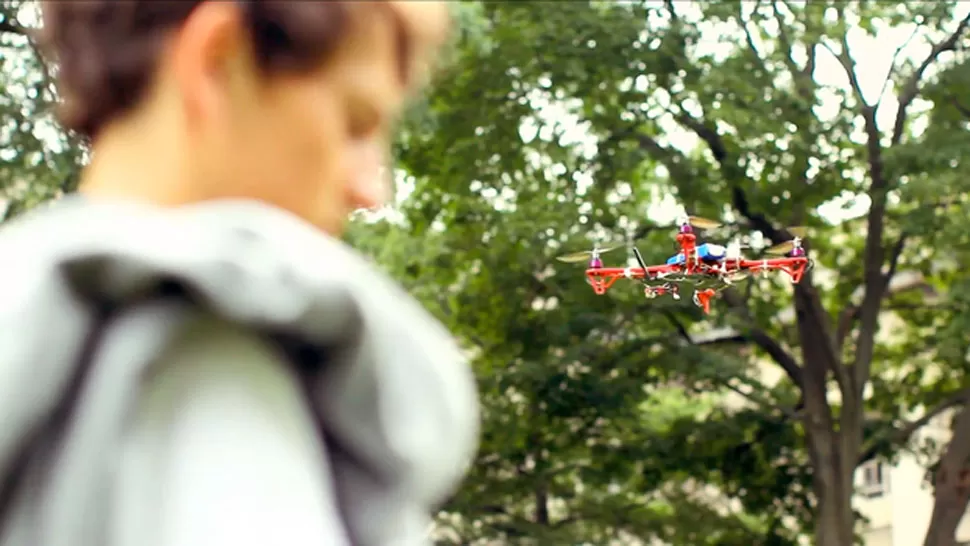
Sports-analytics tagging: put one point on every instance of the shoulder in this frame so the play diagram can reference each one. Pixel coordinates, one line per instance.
(224, 420)
(114, 249)
(264, 270)
(216, 373)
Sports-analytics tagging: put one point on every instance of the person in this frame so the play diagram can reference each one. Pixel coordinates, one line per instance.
(181, 362)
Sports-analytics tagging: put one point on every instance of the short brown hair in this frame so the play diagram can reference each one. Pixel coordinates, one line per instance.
(107, 51)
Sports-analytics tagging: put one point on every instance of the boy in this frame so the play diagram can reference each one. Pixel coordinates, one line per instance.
(187, 357)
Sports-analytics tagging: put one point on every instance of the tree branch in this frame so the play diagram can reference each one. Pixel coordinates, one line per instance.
(892, 65)
(10, 26)
(730, 336)
(776, 351)
(848, 316)
(951, 496)
(873, 252)
(875, 281)
(911, 88)
(679, 326)
(672, 11)
(761, 401)
(761, 223)
(672, 159)
(767, 343)
(963, 110)
(784, 39)
(894, 254)
(848, 66)
(902, 434)
(749, 38)
(706, 133)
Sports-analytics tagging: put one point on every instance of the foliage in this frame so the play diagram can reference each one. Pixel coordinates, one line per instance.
(38, 162)
(556, 123)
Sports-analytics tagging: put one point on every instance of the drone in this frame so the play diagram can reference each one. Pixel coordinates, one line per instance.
(710, 267)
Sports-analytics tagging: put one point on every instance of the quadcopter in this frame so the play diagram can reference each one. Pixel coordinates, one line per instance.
(710, 267)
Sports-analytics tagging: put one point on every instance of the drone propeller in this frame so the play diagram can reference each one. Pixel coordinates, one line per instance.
(784, 248)
(798, 234)
(584, 255)
(698, 222)
(703, 223)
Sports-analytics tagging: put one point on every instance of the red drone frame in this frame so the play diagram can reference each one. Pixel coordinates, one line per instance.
(704, 263)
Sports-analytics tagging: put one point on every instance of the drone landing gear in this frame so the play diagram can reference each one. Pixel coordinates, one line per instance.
(652, 292)
(702, 299)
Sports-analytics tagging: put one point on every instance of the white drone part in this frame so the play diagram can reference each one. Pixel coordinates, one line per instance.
(733, 251)
(628, 272)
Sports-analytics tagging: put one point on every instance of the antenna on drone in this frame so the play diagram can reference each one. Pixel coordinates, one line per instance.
(733, 250)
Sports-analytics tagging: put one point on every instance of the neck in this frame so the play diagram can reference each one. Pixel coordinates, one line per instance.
(138, 162)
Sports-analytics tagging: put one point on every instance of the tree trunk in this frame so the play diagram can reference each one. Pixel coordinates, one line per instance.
(832, 451)
(542, 505)
(952, 488)
(834, 520)
(834, 525)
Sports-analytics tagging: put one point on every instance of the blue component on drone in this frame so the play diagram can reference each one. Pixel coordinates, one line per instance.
(707, 252)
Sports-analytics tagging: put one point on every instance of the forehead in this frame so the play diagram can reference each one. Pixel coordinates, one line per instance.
(427, 22)
(388, 48)
(406, 32)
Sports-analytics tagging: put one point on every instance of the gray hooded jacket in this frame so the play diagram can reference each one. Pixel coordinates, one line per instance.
(93, 293)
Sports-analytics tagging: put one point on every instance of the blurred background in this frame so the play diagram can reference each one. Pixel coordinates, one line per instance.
(826, 413)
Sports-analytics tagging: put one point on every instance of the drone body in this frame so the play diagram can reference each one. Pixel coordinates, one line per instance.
(703, 264)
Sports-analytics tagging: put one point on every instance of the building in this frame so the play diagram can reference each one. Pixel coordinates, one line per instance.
(897, 500)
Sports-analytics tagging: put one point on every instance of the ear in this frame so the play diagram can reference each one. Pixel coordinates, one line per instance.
(207, 55)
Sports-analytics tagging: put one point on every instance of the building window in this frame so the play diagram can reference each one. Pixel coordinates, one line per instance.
(874, 482)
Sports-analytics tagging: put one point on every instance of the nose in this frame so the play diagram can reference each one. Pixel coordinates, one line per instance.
(370, 187)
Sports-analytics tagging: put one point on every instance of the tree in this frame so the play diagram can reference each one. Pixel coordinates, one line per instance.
(500, 188)
(564, 390)
(38, 161)
(937, 152)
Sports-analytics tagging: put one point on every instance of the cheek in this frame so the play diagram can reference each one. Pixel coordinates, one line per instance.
(296, 155)
(299, 156)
